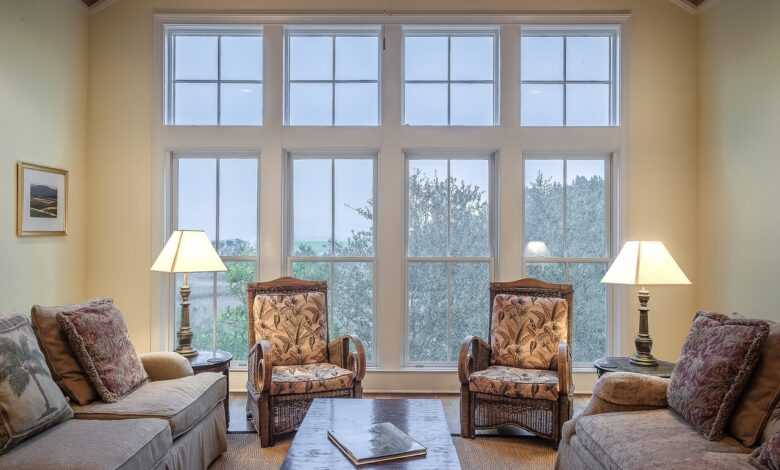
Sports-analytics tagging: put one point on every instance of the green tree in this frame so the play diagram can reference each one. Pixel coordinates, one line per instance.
(20, 364)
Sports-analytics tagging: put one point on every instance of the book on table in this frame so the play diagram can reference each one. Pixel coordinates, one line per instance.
(382, 442)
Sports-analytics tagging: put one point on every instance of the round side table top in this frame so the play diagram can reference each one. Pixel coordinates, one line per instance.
(624, 364)
(209, 359)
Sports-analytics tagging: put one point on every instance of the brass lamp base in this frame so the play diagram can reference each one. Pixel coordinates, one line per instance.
(185, 332)
(643, 342)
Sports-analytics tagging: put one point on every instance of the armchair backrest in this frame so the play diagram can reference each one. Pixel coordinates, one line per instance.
(528, 318)
(292, 314)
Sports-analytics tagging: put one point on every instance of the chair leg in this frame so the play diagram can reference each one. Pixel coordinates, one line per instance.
(265, 421)
(358, 390)
(466, 413)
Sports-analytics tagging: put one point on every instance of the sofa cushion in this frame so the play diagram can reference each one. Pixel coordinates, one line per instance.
(717, 359)
(296, 326)
(655, 439)
(767, 456)
(182, 402)
(526, 331)
(64, 367)
(94, 445)
(516, 383)
(98, 336)
(30, 401)
(309, 378)
(761, 394)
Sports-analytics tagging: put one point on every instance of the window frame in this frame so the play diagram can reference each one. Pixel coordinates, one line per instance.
(614, 32)
(332, 31)
(491, 260)
(493, 31)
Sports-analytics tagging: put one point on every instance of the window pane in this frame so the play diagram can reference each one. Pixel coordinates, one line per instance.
(585, 209)
(587, 58)
(238, 207)
(425, 104)
(428, 296)
(231, 307)
(311, 104)
(425, 58)
(195, 57)
(197, 198)
(242, 104)
(470, 303)
(541, 58)
(428, 219)
(472, 104)
(543, 225)
(541, 105)
(590, 311)
(354, 207)
(311, 271)
(357, 104)
(195, 104)
(469, 209)
(242, 58)
(587, 104)
(312, 207)
(352, 300)
(548, 272)
(311, 58)
(357, 58)
(201, 309)
(472, 58)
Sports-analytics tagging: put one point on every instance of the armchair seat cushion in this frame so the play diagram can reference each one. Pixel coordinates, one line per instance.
(309, 378)
(512, 382)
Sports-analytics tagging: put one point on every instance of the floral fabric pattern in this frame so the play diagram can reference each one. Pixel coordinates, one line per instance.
(295, 325)
(716, 363)
(98, 336)
(516, 383)
(767, 457)
(526, 331)
(309, 378)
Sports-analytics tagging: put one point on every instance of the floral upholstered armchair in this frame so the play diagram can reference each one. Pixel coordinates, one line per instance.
(522, 376)
(291, 361)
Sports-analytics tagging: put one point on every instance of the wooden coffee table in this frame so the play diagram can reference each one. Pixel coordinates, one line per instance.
(423, 420)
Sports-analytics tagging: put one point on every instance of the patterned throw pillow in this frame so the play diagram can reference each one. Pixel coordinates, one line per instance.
(767, 457)
(526, 331)
(30, 401)
(295, 325)
(98, 337)
(717, 359)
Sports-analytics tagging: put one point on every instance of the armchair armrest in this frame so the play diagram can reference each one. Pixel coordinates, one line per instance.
(565, 379)
(260, 366)
(627, 391)
(165, 365)
(474, 356)
(340, 355)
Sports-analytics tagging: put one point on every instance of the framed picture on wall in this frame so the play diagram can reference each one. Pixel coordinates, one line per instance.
(41, 200)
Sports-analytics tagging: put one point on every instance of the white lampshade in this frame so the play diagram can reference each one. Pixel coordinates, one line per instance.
(644, 263)
(188, 251)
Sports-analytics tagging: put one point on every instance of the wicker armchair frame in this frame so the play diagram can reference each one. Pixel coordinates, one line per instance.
(485, 411)
(274, 415)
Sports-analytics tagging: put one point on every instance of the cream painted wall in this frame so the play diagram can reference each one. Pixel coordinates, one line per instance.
(43, 96)
(660, 174)
(739, 165)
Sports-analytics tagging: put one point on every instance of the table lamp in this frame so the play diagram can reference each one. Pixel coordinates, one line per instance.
(187, 251)
(644, 263)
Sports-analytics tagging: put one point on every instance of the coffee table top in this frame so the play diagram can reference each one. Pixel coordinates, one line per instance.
(422, 419)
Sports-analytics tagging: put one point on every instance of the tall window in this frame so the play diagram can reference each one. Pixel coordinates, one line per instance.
(219, 194)
(332, 237)
(449, 255)
(567, 239)
(214, 76)
(332, 76)
(450, 77)
(569, 77)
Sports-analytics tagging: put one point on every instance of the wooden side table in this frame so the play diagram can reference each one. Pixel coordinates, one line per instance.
(623, 364)
(207, 361)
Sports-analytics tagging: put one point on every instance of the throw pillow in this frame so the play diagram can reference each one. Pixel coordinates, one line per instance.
(767, 457)
(295, 324)
(30, 401)
(526, 331)
(63, 364)
(98, 336)
(762, 393)
(717, 359)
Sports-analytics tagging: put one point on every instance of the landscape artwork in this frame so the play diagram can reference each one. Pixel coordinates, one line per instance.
(41, 200)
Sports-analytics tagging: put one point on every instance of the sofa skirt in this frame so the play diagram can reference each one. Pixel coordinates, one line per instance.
(200, 446)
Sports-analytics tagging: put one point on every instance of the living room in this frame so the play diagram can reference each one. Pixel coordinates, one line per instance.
(244, 233)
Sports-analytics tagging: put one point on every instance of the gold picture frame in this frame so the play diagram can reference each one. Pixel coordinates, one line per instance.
(41, 200)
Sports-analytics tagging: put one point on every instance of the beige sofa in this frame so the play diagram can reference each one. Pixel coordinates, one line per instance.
(174, 422)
